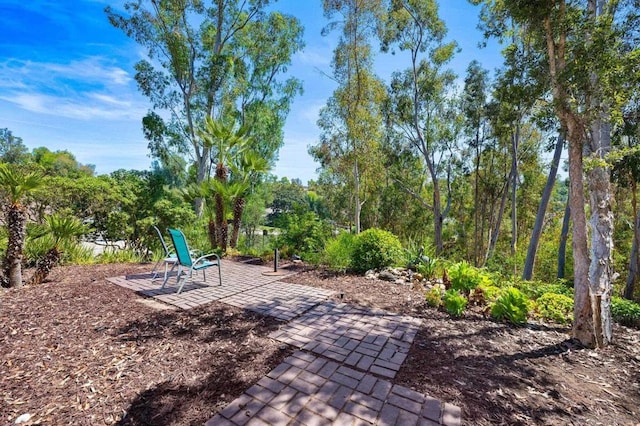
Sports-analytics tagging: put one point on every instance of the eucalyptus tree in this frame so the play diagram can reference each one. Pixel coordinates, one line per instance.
(626, 173)
(214, 59)
(419, 109)
(475, 94)
(351, 122)
(586, 62)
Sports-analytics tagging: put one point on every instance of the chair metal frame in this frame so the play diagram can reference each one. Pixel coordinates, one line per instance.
(186, 261)
(169, 258)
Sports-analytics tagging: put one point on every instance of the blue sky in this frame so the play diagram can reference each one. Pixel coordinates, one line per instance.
(66, 79)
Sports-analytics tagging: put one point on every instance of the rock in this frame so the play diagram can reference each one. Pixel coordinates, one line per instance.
(400, 281)
(387, 276)
(418, 276)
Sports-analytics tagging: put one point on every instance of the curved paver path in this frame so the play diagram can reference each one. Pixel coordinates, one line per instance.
(341, 373)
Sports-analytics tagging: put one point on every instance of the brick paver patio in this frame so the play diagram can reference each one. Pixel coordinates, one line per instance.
(341, 374)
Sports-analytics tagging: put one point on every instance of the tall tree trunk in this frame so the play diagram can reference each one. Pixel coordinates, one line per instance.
(16, 220)
(634, 262)
(601, 223)
(358, 205)
(515, 141)
(564, 236)
(634, 259)
(476, 229)
(498, 224)
(527, 273)
(583, 326)
(601, 220)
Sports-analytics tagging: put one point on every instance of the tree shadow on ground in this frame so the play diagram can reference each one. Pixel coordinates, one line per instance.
(217, 352)
(497, 373)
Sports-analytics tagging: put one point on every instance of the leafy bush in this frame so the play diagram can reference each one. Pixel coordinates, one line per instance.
(511, 305)
(484, 294)
(433, 297)
(555, 307)
(465, 277)
(375, 249)
(454, 302)
(338, 251)
(303, 234)
(535, 289)
(625, 312)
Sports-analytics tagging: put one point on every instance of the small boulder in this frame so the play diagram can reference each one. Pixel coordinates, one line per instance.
(387, 276)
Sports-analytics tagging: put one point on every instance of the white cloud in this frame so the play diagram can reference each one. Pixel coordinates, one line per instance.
(102, 107)
(80, 89)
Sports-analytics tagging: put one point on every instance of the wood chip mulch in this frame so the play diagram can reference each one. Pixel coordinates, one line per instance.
(80, 350)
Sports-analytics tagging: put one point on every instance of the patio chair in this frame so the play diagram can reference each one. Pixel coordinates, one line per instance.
(169, 259)
(185, 260)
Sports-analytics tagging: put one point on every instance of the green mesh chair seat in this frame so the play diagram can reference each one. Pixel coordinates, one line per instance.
(186, 261)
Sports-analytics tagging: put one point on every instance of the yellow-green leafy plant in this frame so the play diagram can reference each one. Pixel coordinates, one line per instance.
(511, 305)
(454, 302)
(433, 297)
(465, 277)
(554, 307)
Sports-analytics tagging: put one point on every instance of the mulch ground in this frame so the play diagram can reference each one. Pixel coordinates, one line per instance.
(80, 350)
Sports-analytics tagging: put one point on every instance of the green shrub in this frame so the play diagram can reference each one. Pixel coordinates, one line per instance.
(490, 292)
(555, 307)
(625, 312)
(454, 302)
(511, 305)
(535, 289)
(465, 277)
(375, 249)
(433, 297)
(338, 252)
(303, 234)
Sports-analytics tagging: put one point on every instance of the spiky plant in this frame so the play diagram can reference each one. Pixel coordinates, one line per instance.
(16, 185)
(64, 230)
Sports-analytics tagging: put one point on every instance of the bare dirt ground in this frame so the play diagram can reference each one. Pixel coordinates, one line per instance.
(80, 350)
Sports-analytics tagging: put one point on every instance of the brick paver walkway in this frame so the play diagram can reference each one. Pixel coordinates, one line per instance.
(371, 340)
(341, 374)
(310, 390)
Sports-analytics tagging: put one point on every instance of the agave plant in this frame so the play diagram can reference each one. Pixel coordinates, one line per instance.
(16, 185)
(64, 230)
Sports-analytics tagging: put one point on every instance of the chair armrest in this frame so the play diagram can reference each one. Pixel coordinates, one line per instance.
(206, 256)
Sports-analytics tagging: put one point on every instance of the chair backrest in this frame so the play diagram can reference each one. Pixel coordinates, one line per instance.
(180, 244)
(167, 253)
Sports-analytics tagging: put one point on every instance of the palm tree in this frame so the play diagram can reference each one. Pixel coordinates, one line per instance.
(250, 166)
(229, 143)
(63, 230)
(16, 185)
